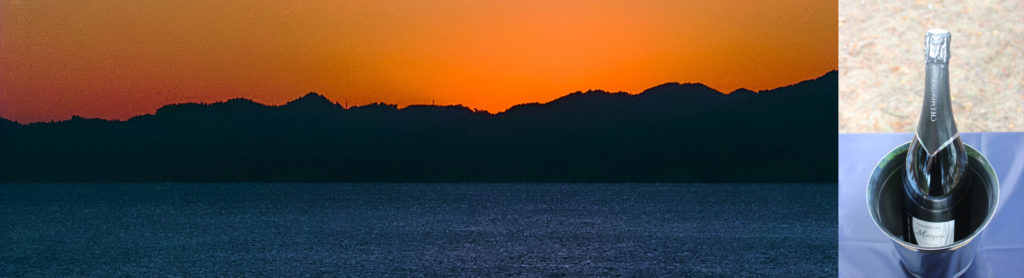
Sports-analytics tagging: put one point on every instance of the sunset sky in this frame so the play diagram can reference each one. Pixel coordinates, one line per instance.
(115, 59)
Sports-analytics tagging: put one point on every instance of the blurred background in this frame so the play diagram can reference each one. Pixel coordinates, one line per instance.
(881, 63)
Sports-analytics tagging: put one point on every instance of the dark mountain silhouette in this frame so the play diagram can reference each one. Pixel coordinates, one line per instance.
(669, 133)
(742, 92)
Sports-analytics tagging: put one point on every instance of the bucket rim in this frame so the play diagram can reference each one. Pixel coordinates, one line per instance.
(876, 175)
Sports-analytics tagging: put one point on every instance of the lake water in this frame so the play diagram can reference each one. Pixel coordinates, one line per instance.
(367, 230)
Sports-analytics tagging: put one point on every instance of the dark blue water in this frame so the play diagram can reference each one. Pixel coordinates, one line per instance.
(546, 230)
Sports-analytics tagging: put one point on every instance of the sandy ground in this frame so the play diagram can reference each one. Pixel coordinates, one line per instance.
(881, 63)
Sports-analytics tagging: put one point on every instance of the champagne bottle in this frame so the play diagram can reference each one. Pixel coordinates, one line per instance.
(936, 158)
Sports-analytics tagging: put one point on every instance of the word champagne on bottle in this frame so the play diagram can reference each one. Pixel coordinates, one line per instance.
(936, 158)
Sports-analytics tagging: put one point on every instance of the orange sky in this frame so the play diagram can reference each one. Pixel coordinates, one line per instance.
(118, 58)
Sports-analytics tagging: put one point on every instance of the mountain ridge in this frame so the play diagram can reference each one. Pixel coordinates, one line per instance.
(674, 133)
(314, 99)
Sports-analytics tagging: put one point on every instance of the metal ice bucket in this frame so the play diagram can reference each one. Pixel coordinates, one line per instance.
(885, 206)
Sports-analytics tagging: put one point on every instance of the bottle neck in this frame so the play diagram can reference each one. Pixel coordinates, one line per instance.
(936, 127)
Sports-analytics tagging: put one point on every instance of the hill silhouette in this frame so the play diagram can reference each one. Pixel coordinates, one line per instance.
(669, 133)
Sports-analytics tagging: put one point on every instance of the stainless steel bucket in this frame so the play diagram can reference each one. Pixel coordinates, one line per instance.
(885, 206)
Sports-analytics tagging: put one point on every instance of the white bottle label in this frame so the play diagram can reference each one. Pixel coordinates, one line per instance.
(932, 234)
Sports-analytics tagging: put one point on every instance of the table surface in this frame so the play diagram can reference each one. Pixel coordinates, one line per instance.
(865, 252)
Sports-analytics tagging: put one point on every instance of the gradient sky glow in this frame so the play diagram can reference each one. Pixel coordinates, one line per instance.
(115, 59)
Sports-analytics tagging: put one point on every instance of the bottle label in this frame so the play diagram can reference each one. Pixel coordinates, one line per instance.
(932, 234)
